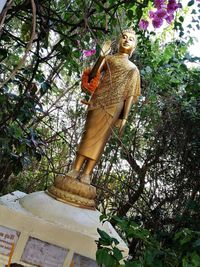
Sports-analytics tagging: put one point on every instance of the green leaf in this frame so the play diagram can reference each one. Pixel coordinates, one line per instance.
(139, 12)
(103, 257)
(3, 52)
(195, 259)
(103, 234)
(117, 254)
(149, 256)
(101, 254)
(190, 3)
(103, 218)
(77, 54)
(130, 14)
(40, 77)
(105, 239)
(194, 12)
(134, 264)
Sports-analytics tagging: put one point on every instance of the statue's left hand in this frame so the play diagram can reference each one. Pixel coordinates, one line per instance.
(121, 128)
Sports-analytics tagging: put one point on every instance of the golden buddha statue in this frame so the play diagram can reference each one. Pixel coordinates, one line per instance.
(109, 106)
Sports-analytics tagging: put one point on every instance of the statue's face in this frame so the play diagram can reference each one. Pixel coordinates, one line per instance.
(127, 43)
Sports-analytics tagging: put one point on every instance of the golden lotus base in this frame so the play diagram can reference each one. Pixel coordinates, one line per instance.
(72, 191)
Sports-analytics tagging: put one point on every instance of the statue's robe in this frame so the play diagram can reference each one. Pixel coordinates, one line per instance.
(120, 81)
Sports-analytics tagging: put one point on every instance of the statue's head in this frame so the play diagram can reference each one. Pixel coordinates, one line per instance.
(127, 42)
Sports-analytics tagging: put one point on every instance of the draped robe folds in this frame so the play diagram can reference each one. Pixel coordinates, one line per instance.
(120, 81)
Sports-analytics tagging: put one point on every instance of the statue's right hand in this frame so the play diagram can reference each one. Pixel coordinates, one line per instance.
(106, 48)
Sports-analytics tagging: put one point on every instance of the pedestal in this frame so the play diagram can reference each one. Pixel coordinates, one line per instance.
(48, 233)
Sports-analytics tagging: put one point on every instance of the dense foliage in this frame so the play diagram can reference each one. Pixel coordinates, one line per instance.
(149, 178)
(177, 249)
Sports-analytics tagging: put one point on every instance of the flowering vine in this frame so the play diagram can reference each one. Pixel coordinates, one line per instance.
(164, 11)
(88, 53)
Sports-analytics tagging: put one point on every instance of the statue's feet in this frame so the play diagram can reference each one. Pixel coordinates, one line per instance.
(73, 173)
(85, 178)
(68, 189)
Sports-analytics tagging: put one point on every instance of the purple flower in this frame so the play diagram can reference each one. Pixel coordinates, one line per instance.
(159, 3)
(165, 10)
(89, 53)
(143, 24)
(157, 22)
(172, 6)
(161, 13)
(151, 14)
(169, 18)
